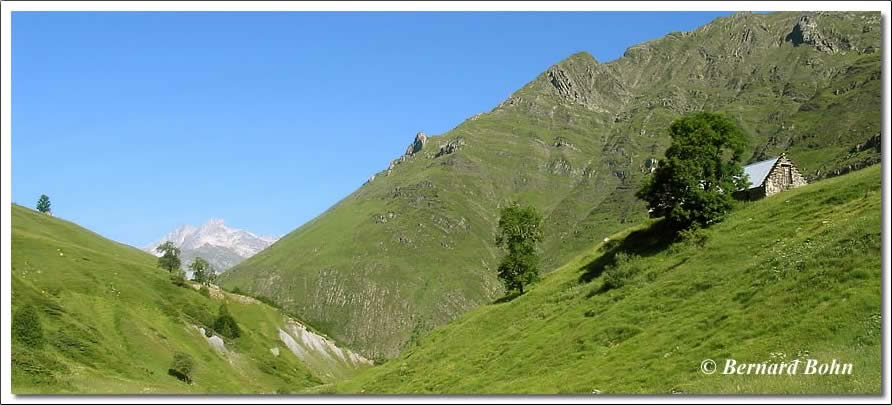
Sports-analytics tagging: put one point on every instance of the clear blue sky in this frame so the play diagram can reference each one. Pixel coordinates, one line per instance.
(135, 123)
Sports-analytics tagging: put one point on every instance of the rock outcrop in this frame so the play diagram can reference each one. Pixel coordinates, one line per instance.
(561, 142)
(417, 145)
(806, 32)
(450, 147)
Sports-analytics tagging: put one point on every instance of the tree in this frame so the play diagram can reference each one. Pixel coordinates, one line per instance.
(520, 229)
(181, 367)
(170, 256)
(43, 204)
(201, 271)
(225, 324)
(693, 185)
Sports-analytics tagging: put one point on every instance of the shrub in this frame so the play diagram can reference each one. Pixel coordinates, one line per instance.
(694, 236)
(199, 313)
(182, 367)
(225, 324)
(623, 269)
(205, 291)
(237, 290)
(178, 278)
(26, 327)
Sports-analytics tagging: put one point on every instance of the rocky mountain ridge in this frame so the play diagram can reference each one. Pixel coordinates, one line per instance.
(413, 248)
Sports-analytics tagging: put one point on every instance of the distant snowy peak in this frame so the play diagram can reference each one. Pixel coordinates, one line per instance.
(215, 234)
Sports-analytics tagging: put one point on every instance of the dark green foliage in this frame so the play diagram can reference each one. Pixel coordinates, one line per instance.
(226, 325)
(26, 327)
(170, 258)
(178, 278)
(620, 271)
(201, 271)
(205, 291)
(43, 204)
(199, 314)
(520, 229)
(694, 236)
(693, 184)
(182, 367)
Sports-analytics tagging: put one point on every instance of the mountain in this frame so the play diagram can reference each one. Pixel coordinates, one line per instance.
(413, 247)
(796, 276)
(222, 246)
(111, 322)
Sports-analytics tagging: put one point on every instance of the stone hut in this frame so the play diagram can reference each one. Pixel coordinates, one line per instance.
(770, 177)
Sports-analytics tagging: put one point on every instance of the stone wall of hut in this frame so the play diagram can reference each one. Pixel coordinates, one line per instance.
(783, 176)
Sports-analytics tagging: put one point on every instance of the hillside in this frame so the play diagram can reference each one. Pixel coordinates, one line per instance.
(794, 276)
(111, 322)
(413, 247)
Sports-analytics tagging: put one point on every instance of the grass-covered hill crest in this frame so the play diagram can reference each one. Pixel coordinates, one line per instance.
(413, 248)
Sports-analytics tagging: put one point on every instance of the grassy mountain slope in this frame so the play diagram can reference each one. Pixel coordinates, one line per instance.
(796, 275)
(112, 321)
(413, 248)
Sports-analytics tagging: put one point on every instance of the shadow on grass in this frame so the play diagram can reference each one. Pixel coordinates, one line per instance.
(644, 242)
(507, 298)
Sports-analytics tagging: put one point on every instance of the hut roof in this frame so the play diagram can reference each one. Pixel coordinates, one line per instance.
(758, 171)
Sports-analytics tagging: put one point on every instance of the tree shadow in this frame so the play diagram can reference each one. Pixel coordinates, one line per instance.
(644, 242)
(507, 298)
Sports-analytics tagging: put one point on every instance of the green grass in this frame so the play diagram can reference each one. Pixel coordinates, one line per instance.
(377, 286)
(795, 275)
(112, 321)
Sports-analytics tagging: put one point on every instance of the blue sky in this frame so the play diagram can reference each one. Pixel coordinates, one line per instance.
(135, 123)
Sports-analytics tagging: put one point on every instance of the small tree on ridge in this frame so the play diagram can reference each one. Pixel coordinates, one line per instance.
(170, 256)
(43, 204)
(201, 271)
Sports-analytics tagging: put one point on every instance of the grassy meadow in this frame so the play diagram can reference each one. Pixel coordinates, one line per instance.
(796, 275)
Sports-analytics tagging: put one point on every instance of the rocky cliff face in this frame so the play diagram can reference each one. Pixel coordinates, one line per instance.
(414, 248)
(223, 247)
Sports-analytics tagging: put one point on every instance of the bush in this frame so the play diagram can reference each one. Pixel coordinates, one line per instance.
(26, 327)
(225, 324)
(237, 290)
(199, 314)
(182, 367)
(694, 236)
(205, 291)
(178, 278)
(623, 269)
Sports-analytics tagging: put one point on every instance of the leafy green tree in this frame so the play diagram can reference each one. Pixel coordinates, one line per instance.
(26, 327)
(201, 271)
(43, 204)
(693, 185)
(182, 367)
(520, 229)
(170, 256)
(225, 324)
